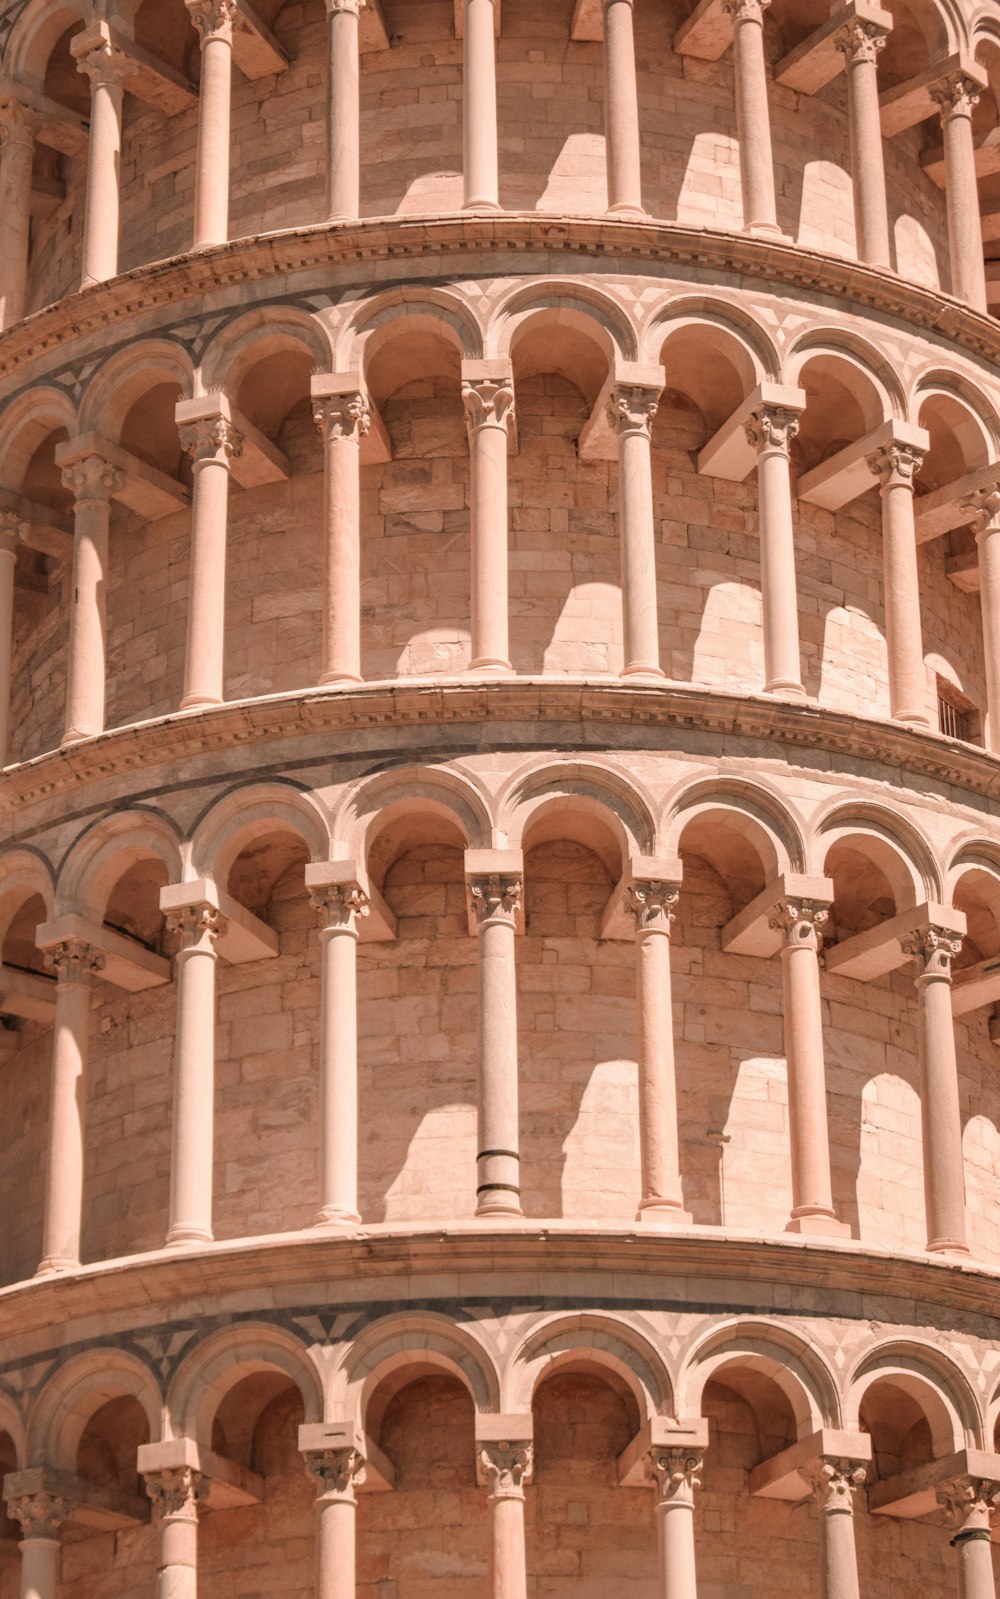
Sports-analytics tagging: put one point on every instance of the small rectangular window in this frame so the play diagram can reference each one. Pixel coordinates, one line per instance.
(957, 716)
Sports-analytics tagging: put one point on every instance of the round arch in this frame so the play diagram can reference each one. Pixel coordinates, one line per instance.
(26, 423)
(938, 1386)
(587, 1338)
(13, 1426)
(979, 437)
(36, 33)
(758, 357)
(563, 303)
(445, 792)
(603, 790)
(870, 376)
(774, 1351)
(897, 848)
(126, 376)
(767, 823)
(399, 1349)
(98, 858)
(77, 1391)
(388, 316)
(223, 1359)
(252, 335)
(248, 811)
(24, 873)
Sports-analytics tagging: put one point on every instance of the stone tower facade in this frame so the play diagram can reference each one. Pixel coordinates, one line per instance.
(500, 862)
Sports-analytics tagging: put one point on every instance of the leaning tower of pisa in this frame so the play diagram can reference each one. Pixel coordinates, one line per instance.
(499, 823)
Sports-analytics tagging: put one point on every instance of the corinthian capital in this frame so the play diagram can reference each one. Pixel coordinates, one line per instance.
(746, 10)
(40, 1515)
(495, 897)
(860, 42)
(73, 960)
(934, 949)
(489, 402)
(969, 1504)
(773, 427)
(631, 409)
(13, 531)
(342, 416)
(506, 1467)
(833, 1482)
(176, 1491)
(340, 905)
(92, 479)
(675, 1472)
(896, 464)
(18, 125)
(99, 58)
(210, 438)
(801, 921)
(197, 924)
(354, 7)
(983, 508)
(337, 1473)
(652, 903)
(213, 19)
(956, 95)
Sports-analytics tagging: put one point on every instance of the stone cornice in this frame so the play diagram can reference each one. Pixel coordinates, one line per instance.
(524, 713)
(695, 1268)
(480, 243)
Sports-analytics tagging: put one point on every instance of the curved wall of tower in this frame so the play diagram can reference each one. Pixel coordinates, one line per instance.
(500, 875)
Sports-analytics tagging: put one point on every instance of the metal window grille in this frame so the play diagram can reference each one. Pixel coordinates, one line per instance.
(954, 722)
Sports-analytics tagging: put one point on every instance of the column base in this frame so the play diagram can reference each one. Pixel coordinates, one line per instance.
(482, 205)
(53, 1264)
(789, 688)
(76, 735)
(949, 1246)
(490, 664)
(331, 679)
(636, 213)
(187, 1238)
(913, 719)
(640, 669)
(498, 1210)
(818, 1224)
(336, 1220)
(766, 230)
(663, 1213)
(198, 702)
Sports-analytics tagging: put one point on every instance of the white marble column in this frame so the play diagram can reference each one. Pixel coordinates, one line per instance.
(344, 109)
(337, 1474)
(74, 963)
(40, 1516)
(212, 442)
(676, 1475)
(860, 43)
(17, 153)
(631, 410)
(482, 183)
(105, 66)
(621, 111)
(506, 1467)
(12, 533)
(652, 904)
(92, 483)
(970, 1506)
(957, 95)
(343, 421)
(834, 1482)
(895, 466)
(176, 1494)
(214, 21)
(801, 923)
(753, 119)
(984, 511)
(770, 432)
(199, 926)
(489, 411)
(933, 950)
(340, 907)
(495, 898)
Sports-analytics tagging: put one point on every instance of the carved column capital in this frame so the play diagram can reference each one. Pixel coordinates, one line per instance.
(801, 921)
(983, 508)
(354, 7)
(40, 1515)
(969, 1505)
(93, 480)
(176, 1491)
(210, 438)
(102, 62)
(896, 465)
(652, 903)
(198, 925)
(337, 1473)
(342, 416)
(746, 10)
(18, 124)
(934, 949)
(488, 402)
(506, 1467)
(772, 427)
(676, 1472)
(956, 95)
(495, 897)
(13, 531)
(213, 19)
(73, 960)
(340, 905)
(631, 409)
(833, 1482)
(861, 42)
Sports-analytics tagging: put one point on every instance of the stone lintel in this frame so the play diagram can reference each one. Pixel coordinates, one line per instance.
(493, 863)
(617, 922)
(660, 1432)
(379, 926)
(963, 571)
(144, 75)
(259, 461)
(729, 453)
(89, 1504)
(914, 1493)
(256, 51)
(57, 128)
(48, 531)
(27, 994)
(941, 511)
(460, 18)
(817, 61)
(376, 446)
(706, 33)
(587, 26)
(750, 932)
(880, 949)
(598, 441)
(246, 937)
(975, 986)
(230, 1485)
(846, 475)
(127, 963)
(145, 490)
(315, 1437)
(780, 1476)
(373, 33)
(986, 152)
(911, 102)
